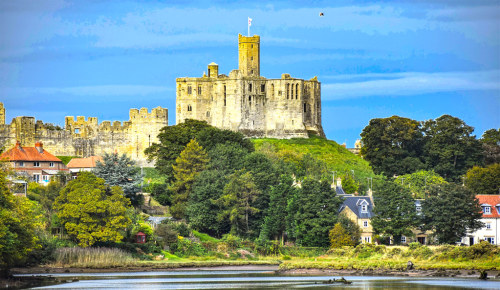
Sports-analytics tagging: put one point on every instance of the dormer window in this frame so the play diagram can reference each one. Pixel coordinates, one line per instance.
(487, 210)
(364, 208)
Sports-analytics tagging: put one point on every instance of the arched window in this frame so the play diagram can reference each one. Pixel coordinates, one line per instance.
(291, 93)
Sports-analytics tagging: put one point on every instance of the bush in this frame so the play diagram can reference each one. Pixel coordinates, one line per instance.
(233, 242)
(187, 248)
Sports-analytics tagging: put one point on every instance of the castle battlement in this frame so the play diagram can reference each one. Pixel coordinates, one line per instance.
(249, 103)
(85, 137)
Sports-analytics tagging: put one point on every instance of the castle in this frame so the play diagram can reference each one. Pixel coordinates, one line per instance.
(82, 137)
(246, 102)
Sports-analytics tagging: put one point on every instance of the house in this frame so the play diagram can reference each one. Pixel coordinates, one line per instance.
(490, 205)
(76, 165)
(34, 162)
(359, 209)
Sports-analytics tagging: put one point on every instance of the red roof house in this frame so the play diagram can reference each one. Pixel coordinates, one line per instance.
(35, 162)
(76, 165)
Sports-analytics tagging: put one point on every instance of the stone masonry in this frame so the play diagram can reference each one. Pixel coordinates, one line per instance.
(86, 137)
(246, 102)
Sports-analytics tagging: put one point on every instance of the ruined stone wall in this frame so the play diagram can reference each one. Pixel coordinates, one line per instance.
(86, 137)
(246, 102)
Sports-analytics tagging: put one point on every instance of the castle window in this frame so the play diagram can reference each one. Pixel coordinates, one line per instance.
(287, 91)
(199, 90)
(208, 113)
(296, 91)
(305, 107)
(224, 101)
(272, 90)
(291, 94)
(251, 58)
(251, 72)
(250, 100)
(189, 90)
(190, 108)
(249, 87)
(262, 88)
(252, 46)
(77, 131)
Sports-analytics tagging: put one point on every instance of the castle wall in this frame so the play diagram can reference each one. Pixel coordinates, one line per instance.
(246, 102)
(86, 137)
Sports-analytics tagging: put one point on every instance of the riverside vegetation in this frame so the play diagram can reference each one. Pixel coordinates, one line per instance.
(230, 200)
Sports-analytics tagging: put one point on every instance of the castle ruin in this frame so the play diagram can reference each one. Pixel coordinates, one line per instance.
(246, 102)
(86, 137)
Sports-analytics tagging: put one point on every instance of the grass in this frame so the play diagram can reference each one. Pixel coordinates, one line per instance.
(66, 159)
(204, 237)
(152, 175)
(336, 157)
(92, 258)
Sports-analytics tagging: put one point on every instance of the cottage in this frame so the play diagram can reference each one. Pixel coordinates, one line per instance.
(490, 205)
(34, 162)
(77, 165)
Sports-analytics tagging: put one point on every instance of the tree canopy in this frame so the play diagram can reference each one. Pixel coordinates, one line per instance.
(484, 180)
(92, 211)
(419, 182)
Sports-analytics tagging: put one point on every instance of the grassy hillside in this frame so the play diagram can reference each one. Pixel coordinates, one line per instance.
(336, 157)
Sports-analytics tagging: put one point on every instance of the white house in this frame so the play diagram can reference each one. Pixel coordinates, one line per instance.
(490, 205)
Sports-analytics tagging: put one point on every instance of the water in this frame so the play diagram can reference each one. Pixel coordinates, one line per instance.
(250, 279)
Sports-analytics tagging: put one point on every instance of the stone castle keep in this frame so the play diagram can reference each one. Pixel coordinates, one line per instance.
(85, 138)
(246, 102)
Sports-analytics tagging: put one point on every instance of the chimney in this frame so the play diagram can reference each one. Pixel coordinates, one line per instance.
(18, 144)
(339, 182)
(39, 147)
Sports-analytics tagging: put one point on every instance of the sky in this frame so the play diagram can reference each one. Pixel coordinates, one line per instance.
(418, 59)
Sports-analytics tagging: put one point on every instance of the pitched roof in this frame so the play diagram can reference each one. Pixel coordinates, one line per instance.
(19, 153)
(89, 162)
(491, 200)
(355, 203)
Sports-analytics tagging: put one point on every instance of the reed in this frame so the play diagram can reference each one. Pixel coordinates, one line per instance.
(92, 258)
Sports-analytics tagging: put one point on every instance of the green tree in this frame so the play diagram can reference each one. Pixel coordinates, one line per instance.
(314, 209)
(451, 211)
(450, 148)
(351, 227)
(120, 170)
(275, 224)
(349, 185)
(227, 157)
(19, 222)
(484, 180)
(395, 211)
(192, 160)
(237, 202)
(418, 182)
(91, 211)
(173, 140)
(392, 145)
(339, 237)
(491, 146)
(202, 208)
(209, 137)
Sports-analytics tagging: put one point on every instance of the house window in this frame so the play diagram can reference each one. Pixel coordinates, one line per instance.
(21, 163)
(364, 208)
(490, 240)
(36, 177)
(51, 164)
(365, 224)
(488, 226)
(189, 90)
(36, 164)
(199, 90)
(487, 210)
(367, 239)
(45, 178)
(419, 208)
(403, 239)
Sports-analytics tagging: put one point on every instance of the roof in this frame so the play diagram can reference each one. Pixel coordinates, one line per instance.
(355, 202)
(19, 153)
(89, 162)
(490, 200)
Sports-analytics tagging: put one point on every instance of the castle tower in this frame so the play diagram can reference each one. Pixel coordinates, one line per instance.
(213, 70)
(2, 114)
(249, 55)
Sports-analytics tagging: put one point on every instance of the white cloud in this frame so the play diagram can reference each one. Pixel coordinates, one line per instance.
(405, 84)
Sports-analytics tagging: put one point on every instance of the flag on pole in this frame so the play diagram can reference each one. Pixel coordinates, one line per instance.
(249, 21)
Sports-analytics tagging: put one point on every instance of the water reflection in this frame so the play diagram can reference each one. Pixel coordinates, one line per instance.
(250, 279)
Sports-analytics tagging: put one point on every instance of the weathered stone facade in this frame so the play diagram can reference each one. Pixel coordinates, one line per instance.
(246, 102)
(86, 137)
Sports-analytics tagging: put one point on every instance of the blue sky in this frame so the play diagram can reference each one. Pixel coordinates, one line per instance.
(375, 59)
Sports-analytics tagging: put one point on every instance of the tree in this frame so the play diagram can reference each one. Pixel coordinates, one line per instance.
(339, 237)
(202, 208)
(192, 160)
(237, 202)
(173, 140)
(491, 146)
(92, 211)
(451, 211)
(210, 136)
(349, 185)
(418, 182)
(19, 221)
(392, 145)
(484, 180)
(450, 148)
(227, 158)
(314, 209)
(275, 220)
(351, 227)
(120, 170)
(395, 211)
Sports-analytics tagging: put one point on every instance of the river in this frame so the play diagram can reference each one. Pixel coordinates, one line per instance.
(248, 279)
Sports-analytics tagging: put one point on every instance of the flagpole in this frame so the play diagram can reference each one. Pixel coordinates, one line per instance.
(248, 26)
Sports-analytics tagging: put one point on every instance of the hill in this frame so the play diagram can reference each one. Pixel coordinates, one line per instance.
(336, 157)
